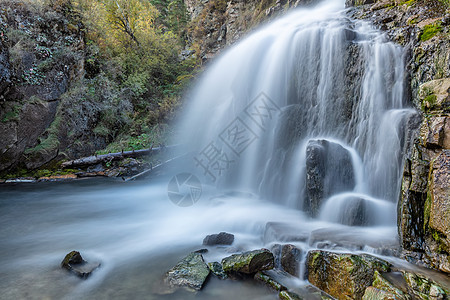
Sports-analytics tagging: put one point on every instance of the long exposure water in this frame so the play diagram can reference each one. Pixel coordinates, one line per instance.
(299, 126)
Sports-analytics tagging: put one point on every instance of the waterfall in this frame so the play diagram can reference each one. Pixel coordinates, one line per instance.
(308, 111)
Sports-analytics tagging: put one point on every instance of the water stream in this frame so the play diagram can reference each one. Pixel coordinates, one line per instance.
(296, 135)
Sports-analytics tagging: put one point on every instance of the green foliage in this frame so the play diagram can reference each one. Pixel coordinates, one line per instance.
(430, 31)
(154, 136)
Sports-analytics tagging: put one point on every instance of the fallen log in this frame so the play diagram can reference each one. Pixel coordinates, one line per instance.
(153, 168)
(95, 159)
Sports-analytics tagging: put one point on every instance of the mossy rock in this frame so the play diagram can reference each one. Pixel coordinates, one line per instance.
(344, 276)
(75, 263)
(191, 272)
(216, 269)
(249, 262)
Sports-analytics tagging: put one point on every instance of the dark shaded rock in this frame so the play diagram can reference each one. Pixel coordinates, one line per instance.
(222, 238)
(73, 257)
(74, 263)
(329, 170)
(343, 275)
(191, 272)
(216, 269)
(249, 262)
(201, 251)
(5, 71)
(290, 259)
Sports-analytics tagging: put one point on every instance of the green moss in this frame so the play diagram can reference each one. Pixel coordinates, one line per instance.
(408, 2)
(13, 114)
(50, 142)
(428, 102)
(430, 31)
(426, 211)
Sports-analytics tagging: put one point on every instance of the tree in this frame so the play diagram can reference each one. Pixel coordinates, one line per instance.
(130, 16)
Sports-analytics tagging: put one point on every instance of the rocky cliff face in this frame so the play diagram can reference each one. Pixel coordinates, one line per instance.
(422, 27)
(50, 104)
(41, 52)
(219, 23)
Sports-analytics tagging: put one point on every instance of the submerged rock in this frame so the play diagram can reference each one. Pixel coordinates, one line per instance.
(222, 238)
(249, 262)
(74, 263)
(343, 275)
(191, 272)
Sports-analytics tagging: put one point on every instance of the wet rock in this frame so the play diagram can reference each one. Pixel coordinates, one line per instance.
(216, 269)
(290, 259)
(329, 170)
(307, 292)
(269, 281)
(380, 282)
(222, 238)
(287, 295)
(249, 262)
(191, 272)
(373, 293)
(343, 275)
(74, 263)
(423, 287)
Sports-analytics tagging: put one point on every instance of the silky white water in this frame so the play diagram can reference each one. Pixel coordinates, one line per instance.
(301, 125)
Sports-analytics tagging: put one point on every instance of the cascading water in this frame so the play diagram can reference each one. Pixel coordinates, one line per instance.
(306, 108)
(304, 119)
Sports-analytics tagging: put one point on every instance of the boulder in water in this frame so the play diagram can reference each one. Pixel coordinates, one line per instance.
(74, 263)
(344, 276)
(290, 259)
(329, 171)
(191, 272)
(222, 238)
(249, 262)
